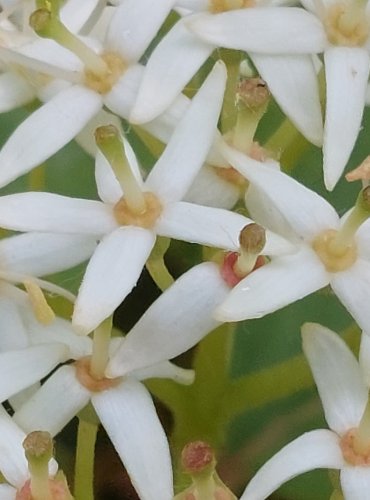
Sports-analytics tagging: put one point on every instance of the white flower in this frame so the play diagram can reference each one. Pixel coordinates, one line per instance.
(175, 322)
(343, 390)
(85, 77)
(339, 29)
(127, 245)
(330, 250)
(291, 78)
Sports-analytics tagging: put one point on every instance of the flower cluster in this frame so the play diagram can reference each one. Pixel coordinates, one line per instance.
(114, 77)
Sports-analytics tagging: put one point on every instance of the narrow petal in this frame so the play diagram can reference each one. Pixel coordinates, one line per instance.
(49, 409)
(268, 30)
(111, 274)
(74, 14)
(13, 464)
(13, 332)
(15, 91)
(129, 417)
(23, 367)
(123, 94)
(211, 190)
(355, 482)
(273, 286)
(134, 25)
(352, 287)
(213, 227)
(337, 375)
(176, 321)
(313, 450)
(293, 82)
(347, 72)
(364, 357)
(7, 492)
(166, 369)
(187, 150)
(175, 60)
(46, 131)
(38, 254)
(49, 212)
(306, 212)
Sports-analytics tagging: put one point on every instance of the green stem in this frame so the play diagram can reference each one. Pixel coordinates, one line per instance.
(159, 273)
(84, 465)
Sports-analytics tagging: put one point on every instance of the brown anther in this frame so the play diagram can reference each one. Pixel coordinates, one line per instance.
(38, 443)
(350, 455)
(196, 456)
(126, 217)
(252, 238)
(252, 92)
(104, 83)
(346, 24)
(229, 174)
(361, 173)
(87, 380)
(334, 259)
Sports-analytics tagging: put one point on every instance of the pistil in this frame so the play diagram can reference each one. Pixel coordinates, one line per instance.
(100, 354)
(38, 447)
(109, 142)
(48, 25)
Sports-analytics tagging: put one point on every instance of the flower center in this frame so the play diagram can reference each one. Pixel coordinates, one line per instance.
(103, 83)
(84, 376)
(225, 5)
(346, 24)
(349, 451)
(125, 216)
(334, 257)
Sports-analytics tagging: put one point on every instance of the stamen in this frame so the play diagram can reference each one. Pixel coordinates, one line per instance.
(42, 311)
(47, 25)
(109, 142)
(252, 240)
(100, 355)
(38, 447)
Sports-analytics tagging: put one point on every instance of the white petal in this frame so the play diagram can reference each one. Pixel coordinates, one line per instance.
(13, 464)
(129, 417)
(15, 91)
(49, 409)
(347, 71)
(74, 14)
(176, 321)
(211, 190)
(293, 83)
(111, 274)
(271, 30)
(337, 375)
(49, 212)
(7, 492)
(352, 287)
(273, 286)
(364, 357)
(187, 150)
(166, 369)
(355, 482)
(175, 60)
(21, 397)
(313, 450)
(306, 212)
(44, 253)
(123, 94)
(13, 332)
(134, 25)
(46, 131)
(23, 367)
(193, 5)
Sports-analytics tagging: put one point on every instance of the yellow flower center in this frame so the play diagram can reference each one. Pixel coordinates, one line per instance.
(125, 216)
(334, 257)
(346, 24)
(84, 376)
(103, 83)
(217, 6)
(349, 452)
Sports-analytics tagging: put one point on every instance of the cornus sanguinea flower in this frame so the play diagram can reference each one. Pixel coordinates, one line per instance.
(291, 79)
(133, 212)
(340, 30)
(175, 322)
(343, 386)
(330, 250)
(84, 79)
(27, 464)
